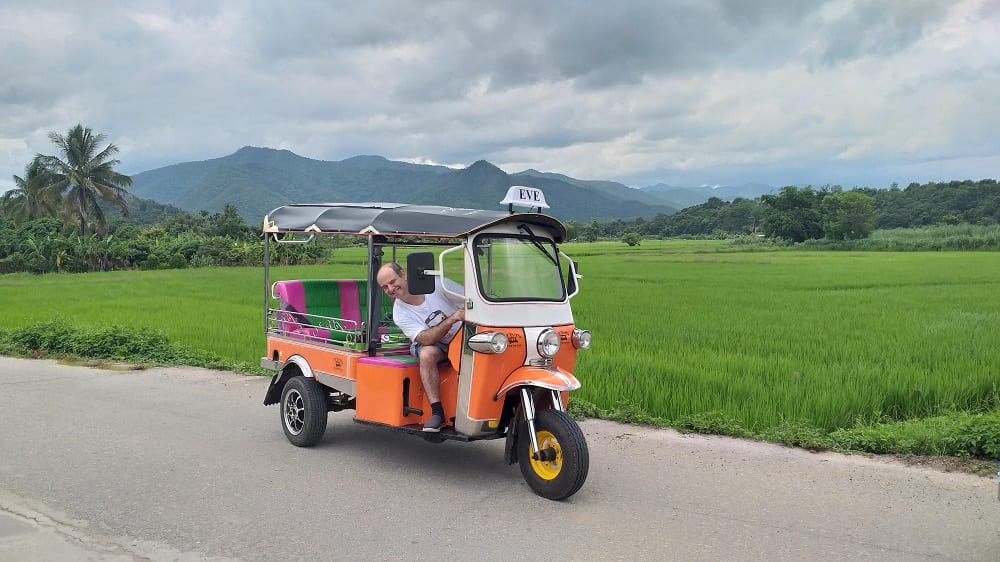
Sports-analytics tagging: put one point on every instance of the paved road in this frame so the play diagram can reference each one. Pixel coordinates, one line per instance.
(186, 464)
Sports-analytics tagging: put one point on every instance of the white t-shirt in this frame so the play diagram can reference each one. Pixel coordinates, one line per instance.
(437, 306)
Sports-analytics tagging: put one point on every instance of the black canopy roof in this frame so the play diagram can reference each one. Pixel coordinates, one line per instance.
(397, 219)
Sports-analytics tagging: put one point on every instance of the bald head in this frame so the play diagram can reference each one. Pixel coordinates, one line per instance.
(392, 279)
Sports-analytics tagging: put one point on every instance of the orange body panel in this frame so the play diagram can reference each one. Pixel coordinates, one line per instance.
(378, 386)
(566, 358)
(491, 371)
(323, 358)
(380, 393)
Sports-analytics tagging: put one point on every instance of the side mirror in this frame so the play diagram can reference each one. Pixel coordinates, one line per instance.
(418, 282)
(571, 282)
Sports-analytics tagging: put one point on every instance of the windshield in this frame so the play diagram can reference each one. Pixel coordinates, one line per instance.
(518, 268)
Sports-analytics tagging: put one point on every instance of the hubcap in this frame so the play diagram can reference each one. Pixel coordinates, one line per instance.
(550, 449)
(295, 412)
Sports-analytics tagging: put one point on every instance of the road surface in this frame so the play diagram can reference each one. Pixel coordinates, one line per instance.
(186, 464)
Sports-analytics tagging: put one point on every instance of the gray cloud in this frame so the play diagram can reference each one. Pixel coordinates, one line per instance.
(878, 28)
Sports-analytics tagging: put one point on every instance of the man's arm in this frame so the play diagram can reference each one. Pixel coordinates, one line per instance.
(433, 335)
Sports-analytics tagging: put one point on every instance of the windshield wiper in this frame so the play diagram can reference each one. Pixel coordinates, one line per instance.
(534, 240)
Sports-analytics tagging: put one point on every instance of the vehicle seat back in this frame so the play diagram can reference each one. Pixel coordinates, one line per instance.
(328, 309)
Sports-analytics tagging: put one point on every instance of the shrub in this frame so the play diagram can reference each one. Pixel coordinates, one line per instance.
(957, 434)
(57, 337)
(177, 261)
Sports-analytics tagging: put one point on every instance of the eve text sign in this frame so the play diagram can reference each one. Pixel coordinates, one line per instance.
(524, 196)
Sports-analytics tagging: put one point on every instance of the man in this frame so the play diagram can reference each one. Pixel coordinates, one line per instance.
(430, 321)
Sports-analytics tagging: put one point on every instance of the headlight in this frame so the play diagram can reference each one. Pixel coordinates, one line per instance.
(581, 339)
(488, 342)
(548, 343)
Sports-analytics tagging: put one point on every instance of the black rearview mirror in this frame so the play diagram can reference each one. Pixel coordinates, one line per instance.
(418, 282)
(571, 282)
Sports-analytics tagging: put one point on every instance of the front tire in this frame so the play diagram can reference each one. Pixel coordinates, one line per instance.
(303, 411)
(565, 463)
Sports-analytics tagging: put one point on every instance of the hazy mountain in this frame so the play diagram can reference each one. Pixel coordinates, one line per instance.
(256, 180)
(682, 197)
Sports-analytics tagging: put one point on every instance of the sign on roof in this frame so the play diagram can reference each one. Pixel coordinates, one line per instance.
(524, 196)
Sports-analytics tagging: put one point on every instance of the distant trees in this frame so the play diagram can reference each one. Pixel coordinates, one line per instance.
(85, 172)
(32, 197)
(848, 215)
(797, 214)
(51, 245)
(792, 214)
(972, 202)
(55, 220)
(70, 185)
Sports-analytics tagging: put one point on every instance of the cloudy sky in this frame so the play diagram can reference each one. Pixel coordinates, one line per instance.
(685, 92)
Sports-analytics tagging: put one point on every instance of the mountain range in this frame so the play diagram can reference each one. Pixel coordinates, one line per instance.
(256, 180)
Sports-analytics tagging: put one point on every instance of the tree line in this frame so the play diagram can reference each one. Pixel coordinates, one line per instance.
(57, 219)
(798, 214)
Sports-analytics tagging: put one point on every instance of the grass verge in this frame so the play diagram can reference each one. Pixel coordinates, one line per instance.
(59, 339)
(964, 436)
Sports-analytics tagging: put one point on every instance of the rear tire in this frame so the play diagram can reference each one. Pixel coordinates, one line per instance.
(303, 411)
(564, 469)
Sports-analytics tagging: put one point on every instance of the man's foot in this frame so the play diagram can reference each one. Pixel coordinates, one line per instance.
(435, 423)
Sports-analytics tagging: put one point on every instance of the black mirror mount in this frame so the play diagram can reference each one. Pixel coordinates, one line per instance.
(418, 282)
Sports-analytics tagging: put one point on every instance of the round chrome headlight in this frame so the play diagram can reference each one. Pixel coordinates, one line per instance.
(488, 342)
(548, 343)
(581, 339)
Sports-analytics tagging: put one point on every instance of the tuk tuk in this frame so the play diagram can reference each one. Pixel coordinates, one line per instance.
(333, 345)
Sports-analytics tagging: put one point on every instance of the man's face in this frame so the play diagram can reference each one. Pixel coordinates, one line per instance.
(393, 284)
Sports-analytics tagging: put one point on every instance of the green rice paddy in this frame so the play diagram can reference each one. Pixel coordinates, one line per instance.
(679, 328)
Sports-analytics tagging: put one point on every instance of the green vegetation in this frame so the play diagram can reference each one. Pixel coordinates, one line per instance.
(873, 351)
(832, 213)
(83, 174)
(181, 240)
(115, 342)
(928, 238)
(71, 184)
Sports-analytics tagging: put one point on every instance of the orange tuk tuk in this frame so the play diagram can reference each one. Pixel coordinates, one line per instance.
(334, 346)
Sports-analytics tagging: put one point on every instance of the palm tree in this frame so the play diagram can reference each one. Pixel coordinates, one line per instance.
(32, 197)
(86, 174)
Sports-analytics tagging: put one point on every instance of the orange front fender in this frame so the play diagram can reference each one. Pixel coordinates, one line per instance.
(552, 378)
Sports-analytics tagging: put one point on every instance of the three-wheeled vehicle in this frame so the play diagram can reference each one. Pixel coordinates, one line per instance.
(510, 370)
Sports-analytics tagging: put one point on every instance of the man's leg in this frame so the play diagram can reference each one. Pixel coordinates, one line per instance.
(430, 376)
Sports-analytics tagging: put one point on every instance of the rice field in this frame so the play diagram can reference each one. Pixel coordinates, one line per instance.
(826, 337)
(680, 327)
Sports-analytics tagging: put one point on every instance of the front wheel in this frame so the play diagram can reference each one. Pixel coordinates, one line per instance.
(563, 462)
(303, 411)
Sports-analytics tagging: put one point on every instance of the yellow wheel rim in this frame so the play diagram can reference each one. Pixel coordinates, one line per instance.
(547, 470)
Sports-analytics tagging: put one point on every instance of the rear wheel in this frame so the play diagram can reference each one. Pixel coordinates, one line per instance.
(303, 411)
(563, 461)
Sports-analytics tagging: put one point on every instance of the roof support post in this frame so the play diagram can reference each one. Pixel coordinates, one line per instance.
(374, 296)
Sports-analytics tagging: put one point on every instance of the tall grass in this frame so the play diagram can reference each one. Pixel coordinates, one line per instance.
(681, 329)
(832, 339)
(927, 238)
